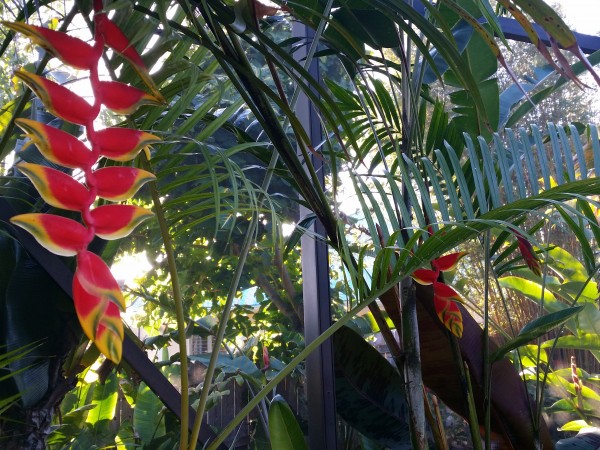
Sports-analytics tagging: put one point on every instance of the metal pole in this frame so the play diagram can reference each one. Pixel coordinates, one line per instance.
(320, 388)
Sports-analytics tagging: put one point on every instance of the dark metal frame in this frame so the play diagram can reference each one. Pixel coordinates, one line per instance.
(319, 371)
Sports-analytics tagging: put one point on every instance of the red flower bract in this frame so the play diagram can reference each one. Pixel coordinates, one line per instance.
(120, 183)
(56, 145)
(443, 295)
(124, 99)
(117, 221)
(58, 99)
(70, 50)
(123, 144)
(60, 235)
(57, 188)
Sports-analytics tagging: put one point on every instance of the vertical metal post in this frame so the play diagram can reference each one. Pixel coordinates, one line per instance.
(322, 423)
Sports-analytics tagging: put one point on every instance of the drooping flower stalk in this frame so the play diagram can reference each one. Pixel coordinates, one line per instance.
(97, 297)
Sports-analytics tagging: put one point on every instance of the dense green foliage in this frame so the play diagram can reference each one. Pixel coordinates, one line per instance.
(409, 177)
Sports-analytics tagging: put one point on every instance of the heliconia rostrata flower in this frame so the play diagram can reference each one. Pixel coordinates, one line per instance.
(444, 296)
(96, 294)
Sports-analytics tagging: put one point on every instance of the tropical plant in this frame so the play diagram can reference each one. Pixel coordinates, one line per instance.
(421, 185)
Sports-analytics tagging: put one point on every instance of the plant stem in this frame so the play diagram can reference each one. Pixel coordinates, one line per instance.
(473, 422)
(412, 365)
(179, 314)
(487, 375)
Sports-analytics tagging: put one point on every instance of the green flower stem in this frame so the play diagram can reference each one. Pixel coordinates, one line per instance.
(487, 376)
(473, 422)
(179, 314)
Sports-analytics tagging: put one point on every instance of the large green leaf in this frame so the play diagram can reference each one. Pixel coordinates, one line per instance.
(535, 329)
(583, 341)
(370, 394)
(148, 422)
(236, 365)
(284, 429)
(105, 400)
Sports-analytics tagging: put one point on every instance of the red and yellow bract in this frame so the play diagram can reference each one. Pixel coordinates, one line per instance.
(59, 100)
(60, 235)
(124, 99)
(117, 221)
(120, 183)
(72, 51)
(444, 296)
(56, 145)
(97, 297)
(56, 187)
(123, 144)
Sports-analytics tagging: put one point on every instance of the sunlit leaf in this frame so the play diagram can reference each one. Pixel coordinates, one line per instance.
(105, 397)
(574, 425)
(537, 328)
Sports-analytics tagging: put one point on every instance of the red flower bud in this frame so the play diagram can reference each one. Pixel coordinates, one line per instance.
(529, 255)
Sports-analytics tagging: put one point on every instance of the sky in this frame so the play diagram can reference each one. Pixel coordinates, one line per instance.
(582, 15)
